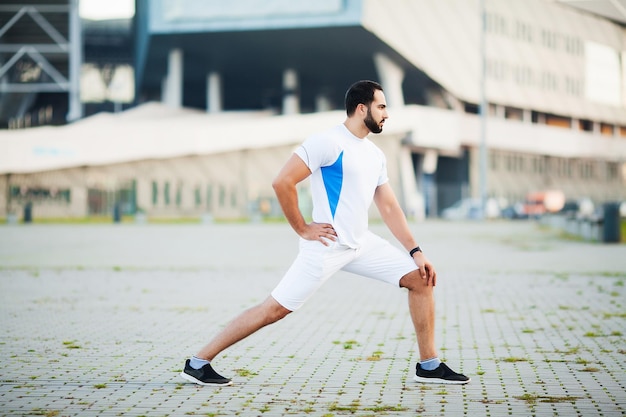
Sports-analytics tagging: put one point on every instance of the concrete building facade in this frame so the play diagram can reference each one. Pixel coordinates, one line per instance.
(551, 80)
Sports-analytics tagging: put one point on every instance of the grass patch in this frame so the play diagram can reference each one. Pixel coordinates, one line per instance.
(534, 398)
(570, 351)
(512, 359)
(71, 344)
(244, 372)
(376, 356)
(349, 344)
(352, 408)
(47, 413)
(610, 315)
(594, 334)
(386, 408)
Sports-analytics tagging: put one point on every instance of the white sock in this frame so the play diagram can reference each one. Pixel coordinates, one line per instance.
(430, 364)
(197, 363)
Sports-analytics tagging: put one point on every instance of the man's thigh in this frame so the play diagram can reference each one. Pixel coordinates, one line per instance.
(312, 267)
(380, 260)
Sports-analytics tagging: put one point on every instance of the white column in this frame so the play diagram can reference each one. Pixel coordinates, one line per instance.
(541, 118)
(413, 201)
(214, 92)
(527, 116)
(291, 104)
(596, 128)
(322, 103)
(76, 60)
(391, 76)
(173, 83)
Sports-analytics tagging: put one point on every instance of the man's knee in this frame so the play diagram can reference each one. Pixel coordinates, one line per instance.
(413, 281)
(274, 311)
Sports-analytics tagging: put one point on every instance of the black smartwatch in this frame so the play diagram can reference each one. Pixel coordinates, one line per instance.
(416, 249)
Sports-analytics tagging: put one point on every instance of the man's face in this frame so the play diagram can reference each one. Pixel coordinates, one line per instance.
(376, 113)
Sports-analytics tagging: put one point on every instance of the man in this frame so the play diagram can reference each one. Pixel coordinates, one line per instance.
(347, 172)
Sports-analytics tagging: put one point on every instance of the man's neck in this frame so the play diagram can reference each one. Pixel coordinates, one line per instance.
(356, 127)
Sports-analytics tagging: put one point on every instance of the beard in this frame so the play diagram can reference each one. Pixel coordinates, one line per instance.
(371, 124)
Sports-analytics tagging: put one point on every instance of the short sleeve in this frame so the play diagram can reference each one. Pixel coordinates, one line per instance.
(316, 152)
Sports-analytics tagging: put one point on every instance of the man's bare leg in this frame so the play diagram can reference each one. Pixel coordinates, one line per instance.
(247, 323)
(422, 310)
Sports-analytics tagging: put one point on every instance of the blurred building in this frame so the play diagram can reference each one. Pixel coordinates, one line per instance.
(107, 76)
(40, 58)
(241, 83)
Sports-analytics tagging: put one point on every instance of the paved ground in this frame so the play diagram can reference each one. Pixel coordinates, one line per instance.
(97, 320)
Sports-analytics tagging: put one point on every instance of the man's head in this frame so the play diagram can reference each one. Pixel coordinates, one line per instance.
(366, 99)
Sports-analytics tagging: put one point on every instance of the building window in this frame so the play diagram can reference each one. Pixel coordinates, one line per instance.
(209, 196)
(222, 196)
(513, 113)
(606, 129)
(155, 193)
(568, 168)
(233, 197)
(520, 163)
(493, 159)
(472, 108)
(586, 170)
(534, 116)
(539, 165)
(179, 195)
(24, 194)
(612, 171)
(558, 121)
(166, 193)
(586, 125)
(197, 195)
(523, 31)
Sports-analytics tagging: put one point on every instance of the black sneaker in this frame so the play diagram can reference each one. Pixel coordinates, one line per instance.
(440, 375)
(204, 376)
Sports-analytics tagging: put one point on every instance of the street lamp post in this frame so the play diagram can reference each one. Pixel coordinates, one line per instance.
(483, 111)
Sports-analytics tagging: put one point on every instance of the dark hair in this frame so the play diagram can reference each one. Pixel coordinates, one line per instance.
(361, 92)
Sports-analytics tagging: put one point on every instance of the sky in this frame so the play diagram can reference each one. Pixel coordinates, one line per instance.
(106, 9)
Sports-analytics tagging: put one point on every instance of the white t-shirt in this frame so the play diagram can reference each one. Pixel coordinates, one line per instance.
(345, 171)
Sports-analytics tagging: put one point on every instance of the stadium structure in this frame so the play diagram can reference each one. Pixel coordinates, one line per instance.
(224, 91)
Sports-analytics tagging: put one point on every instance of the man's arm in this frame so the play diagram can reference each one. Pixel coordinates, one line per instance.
(394, 218)
(295, 171)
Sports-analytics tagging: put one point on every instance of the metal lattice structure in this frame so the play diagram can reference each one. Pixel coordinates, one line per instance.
(40, 52)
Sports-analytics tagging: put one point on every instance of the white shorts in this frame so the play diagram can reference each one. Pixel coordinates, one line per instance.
(315, 263)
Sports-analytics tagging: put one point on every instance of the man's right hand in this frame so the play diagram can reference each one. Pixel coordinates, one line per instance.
(322, 232)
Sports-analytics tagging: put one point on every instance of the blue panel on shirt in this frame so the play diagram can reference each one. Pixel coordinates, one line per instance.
(333, 180)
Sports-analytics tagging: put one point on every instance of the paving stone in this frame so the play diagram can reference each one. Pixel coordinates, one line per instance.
(100, 320)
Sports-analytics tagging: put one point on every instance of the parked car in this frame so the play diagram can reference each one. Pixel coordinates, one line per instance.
(471, 208)
(542, 202)
(514, 211)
